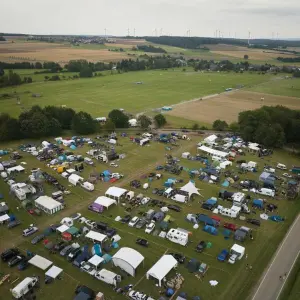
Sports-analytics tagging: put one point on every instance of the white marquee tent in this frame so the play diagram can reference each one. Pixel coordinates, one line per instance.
(191, 189)
(53, 272)
(213, 152)
(40, 262)
(48, 205)
(128, 259)
(96, 236)
(162, 267)
(105, 201)
(115, 192)
(211, 138)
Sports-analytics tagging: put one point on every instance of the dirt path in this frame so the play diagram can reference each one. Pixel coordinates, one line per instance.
(72, 209)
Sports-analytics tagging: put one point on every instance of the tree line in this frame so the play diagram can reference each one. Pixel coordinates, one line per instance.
(289, 59)
(12, 79)
(149, 48)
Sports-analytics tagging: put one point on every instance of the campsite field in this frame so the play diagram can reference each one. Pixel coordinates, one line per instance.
(227, 106)
(235, 282)
(99, 95)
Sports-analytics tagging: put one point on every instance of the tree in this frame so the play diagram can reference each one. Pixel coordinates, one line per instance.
(62, 114)
(9, 128)
(160, 120)
(34, 125)
(38, 65)
(234, 127)
(220, 125)
(195, 126)
(144, 121)
(109, 125)
(1, 72)
(29, 80)
(246, 56)
(86, 72)
(118, 118)
(83, 123)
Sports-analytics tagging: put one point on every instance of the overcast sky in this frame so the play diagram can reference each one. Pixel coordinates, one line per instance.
(202, 17)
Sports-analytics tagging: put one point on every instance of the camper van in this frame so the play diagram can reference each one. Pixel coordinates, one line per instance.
(88, 186)
(266, 192)
(108, 277)
(178, 236)
(24, 287)
(238, 199)
(236, 253)
(232, 212)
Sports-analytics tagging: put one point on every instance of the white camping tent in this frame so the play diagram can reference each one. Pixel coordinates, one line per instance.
(95, 261)
(74, 179)
(191, 189)
(40, 262)
(48, 205)
(62, 228)
(115, 192)
(162, 267)
(53, 272)
(213, 152)
(96, 236)
(105, 201)
(4, 218)
(128, 260)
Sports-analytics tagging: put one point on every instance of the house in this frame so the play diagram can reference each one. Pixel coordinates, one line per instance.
(48, 205)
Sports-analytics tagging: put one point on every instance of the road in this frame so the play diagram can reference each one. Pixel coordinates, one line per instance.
(270, 285)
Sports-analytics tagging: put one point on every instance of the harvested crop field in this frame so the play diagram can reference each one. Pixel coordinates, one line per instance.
(227, 106)
(34, 51)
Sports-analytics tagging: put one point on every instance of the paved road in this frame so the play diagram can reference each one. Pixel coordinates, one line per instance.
(270, 285)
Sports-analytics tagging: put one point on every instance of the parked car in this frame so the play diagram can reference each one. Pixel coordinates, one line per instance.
(30, 230)
(179, 257)
(73, 254)
(207, 206)
(9, 253)
(16, 259)
(223, 255)
(76, 216)
(37, 239)
(126, 219)
(90, 223)
(254, 222)
(230, 226)
(60, 246)
(13, 224)
(112, 164)
(150, 227)
(85, 290)
(287, 175)
(201, 246)
(174, 207)
(110, 232)
(154, 191)
(141, 223)
(66, 250)
(142, 242)
(23, 265)
(133, 221)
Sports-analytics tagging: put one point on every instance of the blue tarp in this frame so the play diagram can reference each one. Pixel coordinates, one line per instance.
(276, 218)
(258, 203)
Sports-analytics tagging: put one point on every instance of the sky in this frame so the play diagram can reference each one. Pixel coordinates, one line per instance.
(230, 18)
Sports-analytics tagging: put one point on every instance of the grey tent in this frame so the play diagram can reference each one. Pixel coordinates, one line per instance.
(193, 265)
(240, 235)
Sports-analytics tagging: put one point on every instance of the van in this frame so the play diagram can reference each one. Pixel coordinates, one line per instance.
(266, 192)
(88, 161)
(24, 287)
(57, 195)
(149, 214)
(29, 231)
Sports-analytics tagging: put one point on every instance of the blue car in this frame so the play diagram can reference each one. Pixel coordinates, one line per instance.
(223, 255)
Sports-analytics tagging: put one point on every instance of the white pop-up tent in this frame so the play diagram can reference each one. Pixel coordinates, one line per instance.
(74, 179)
(213, 152)
(96, 236)
(162, 267)
(53, 272)
(191, 189)
(40, 262)
(105, 201)
(115, 192)
(62, 228)
(128, 260)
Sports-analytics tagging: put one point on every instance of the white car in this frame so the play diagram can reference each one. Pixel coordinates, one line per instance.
(90, 223)
(82, 220)
(287, 175)
(76, 216)
(116, 175)
(133, 221)
(150, 227)
(112, 164)
(145, 200)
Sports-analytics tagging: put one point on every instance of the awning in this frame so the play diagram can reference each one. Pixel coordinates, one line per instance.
(53, 272)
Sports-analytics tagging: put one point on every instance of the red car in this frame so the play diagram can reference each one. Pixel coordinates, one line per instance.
(230, 226)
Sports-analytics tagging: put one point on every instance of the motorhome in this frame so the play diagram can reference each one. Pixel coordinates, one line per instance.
(22, 189)
(178, 236)
(266, 192)
(236, 253)
(24, 287)
(232, 212)
(108, 277)
(238, 199)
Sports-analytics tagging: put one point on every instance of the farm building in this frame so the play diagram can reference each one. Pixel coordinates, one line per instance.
(115, 193)
(105, 201)
(213, 152)
(48, 205)
(128, 260)
(162, 267)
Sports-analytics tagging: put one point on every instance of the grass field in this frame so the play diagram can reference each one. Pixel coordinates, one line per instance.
(235, 282)
(227, 106)
(100, 95)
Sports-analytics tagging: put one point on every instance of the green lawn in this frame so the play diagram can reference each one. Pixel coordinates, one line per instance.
(235, 282)
(100, 95)
(287, 87)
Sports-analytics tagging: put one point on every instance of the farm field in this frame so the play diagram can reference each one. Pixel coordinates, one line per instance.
(289, 87)
(99, 95)
(227, 106)
(235, 281)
